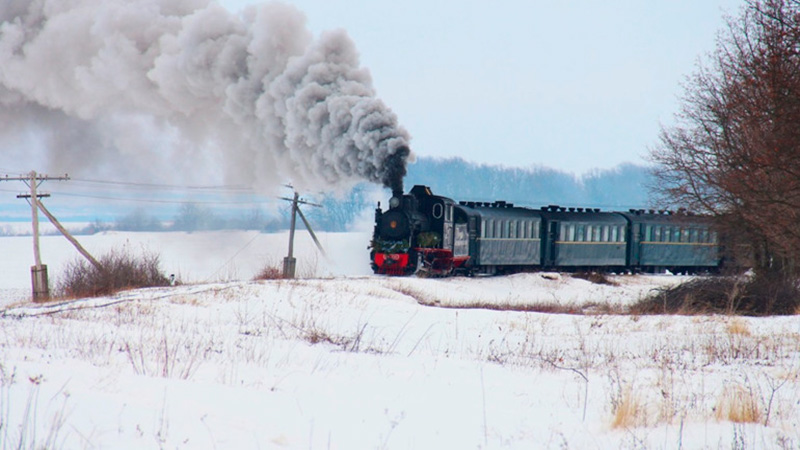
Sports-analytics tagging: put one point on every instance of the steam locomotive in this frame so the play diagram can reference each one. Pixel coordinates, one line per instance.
(425, 233)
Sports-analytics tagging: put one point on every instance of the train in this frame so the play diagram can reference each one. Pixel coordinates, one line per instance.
(426, 234)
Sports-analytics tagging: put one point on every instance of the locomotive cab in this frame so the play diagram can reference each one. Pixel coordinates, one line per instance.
(416, 232)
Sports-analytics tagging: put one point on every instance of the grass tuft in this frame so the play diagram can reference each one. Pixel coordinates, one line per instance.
(738, 405)
(628, 411)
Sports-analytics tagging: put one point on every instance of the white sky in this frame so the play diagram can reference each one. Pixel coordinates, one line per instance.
(572, 85)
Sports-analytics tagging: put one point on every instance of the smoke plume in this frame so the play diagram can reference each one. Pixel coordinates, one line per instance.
(175, 87)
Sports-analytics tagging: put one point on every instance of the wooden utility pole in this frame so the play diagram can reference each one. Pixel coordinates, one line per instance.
(41, 288)
(290, 262)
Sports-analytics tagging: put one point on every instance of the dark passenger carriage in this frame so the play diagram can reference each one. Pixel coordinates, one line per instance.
(583, 238)
(501, 236)
(678, 242)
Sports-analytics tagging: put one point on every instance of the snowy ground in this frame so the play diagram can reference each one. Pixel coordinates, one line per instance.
(342, 359)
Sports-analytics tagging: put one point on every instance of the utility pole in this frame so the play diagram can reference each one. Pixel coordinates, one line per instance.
(41, 289)
(290, 262)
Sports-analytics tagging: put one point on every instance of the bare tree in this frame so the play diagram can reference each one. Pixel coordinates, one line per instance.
(735, 150)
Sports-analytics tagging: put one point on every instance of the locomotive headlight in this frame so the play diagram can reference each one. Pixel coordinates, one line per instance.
(393, 224)
(394, 202)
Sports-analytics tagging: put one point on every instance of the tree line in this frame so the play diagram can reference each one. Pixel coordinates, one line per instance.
(734, 150)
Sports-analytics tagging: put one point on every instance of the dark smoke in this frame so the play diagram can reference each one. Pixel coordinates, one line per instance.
(184, 86)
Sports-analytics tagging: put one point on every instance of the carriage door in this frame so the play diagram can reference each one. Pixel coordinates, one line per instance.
(461, 241)
(551, 251)
(447, 229)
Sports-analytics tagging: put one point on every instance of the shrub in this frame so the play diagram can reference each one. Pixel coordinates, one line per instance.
(120, 270)
(757, 296)
(269, 272)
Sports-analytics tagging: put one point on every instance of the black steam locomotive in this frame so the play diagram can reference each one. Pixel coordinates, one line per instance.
(422, 232)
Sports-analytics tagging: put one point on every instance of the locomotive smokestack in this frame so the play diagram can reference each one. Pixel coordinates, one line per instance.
(395, 170)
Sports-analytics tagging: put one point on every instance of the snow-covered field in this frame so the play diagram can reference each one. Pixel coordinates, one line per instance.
(343, 359)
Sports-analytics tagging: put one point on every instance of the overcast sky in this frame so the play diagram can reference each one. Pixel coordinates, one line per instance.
(573, 85)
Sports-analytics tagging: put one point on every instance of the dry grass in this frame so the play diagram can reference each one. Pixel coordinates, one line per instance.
(629, 411)
(739, 405)
(738, 327)
(595, 277)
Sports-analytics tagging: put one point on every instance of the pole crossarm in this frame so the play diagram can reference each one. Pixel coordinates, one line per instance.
(300, 201)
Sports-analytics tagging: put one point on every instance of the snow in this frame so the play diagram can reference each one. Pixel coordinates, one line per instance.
(343, 359)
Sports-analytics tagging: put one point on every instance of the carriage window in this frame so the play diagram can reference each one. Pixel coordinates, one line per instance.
(704, 236)
(676, 234)
(596, 234)
(580, 232)
(648, 233)
(589, 233)
(656, 234)
(536, 230)
(512, 229)
(713, 236)
(523, 229)
(449, 213)
(614, 234)
(685, 235)
(507, 229)
(604, 234)
(693, 235)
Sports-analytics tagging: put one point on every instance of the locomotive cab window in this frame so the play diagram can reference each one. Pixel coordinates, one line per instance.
(437, 211)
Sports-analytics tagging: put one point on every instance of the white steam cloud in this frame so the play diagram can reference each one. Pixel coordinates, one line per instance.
(179, 86)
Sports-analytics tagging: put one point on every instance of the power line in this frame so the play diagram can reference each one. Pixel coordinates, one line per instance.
(224, 187)
(174, 202)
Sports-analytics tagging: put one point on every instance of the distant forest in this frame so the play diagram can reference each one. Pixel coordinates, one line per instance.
(623, 187)
(620, 188)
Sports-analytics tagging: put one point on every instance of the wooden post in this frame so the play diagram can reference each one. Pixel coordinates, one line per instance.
(39, 281)
(290, 263)
(41, 289)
